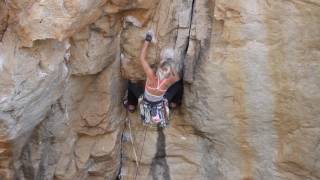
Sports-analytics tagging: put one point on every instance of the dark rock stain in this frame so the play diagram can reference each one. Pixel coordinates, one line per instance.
(159, 166)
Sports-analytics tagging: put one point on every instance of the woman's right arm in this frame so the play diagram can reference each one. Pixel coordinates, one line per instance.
(146, 67)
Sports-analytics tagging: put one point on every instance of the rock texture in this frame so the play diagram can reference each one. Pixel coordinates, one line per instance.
(250, 109)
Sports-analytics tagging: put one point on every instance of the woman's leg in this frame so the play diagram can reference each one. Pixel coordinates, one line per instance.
(175, 92)
(177, 98)
(134, 92)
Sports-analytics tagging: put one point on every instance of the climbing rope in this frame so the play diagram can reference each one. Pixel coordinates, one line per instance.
(132, 141)
(144, 139)
(156, 32)
(133, 145)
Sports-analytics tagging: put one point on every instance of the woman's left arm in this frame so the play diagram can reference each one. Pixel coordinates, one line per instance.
(146, 67)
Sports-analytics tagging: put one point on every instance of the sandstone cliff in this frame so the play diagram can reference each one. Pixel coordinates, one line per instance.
(252, 89)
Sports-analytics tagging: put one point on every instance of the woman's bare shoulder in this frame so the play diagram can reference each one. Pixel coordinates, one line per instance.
(151, 80)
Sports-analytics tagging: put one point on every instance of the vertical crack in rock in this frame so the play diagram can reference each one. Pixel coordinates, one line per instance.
(189, 61)
(27, 167)
(47, 154)
(4, 18)
(159, 166)
(191, 18)
(4, 27)
(199, 38)
(122, 140)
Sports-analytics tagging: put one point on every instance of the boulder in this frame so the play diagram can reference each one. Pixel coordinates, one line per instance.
(32, 79)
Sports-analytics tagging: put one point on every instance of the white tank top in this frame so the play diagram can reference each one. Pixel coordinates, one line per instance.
(151, 97)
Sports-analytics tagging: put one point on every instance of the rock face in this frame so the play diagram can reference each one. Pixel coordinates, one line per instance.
(250, 109)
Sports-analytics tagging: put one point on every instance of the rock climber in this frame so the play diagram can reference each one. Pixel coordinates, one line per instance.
(163, 88)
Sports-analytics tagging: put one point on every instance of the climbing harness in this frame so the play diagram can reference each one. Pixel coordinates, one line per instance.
(154, 113)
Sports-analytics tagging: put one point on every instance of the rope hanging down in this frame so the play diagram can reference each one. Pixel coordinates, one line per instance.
(132, 142)
(153, 27)
(133, 145)
(144, 139)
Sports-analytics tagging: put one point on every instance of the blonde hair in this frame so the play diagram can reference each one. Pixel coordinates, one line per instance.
(167, 60)
(167, 53)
